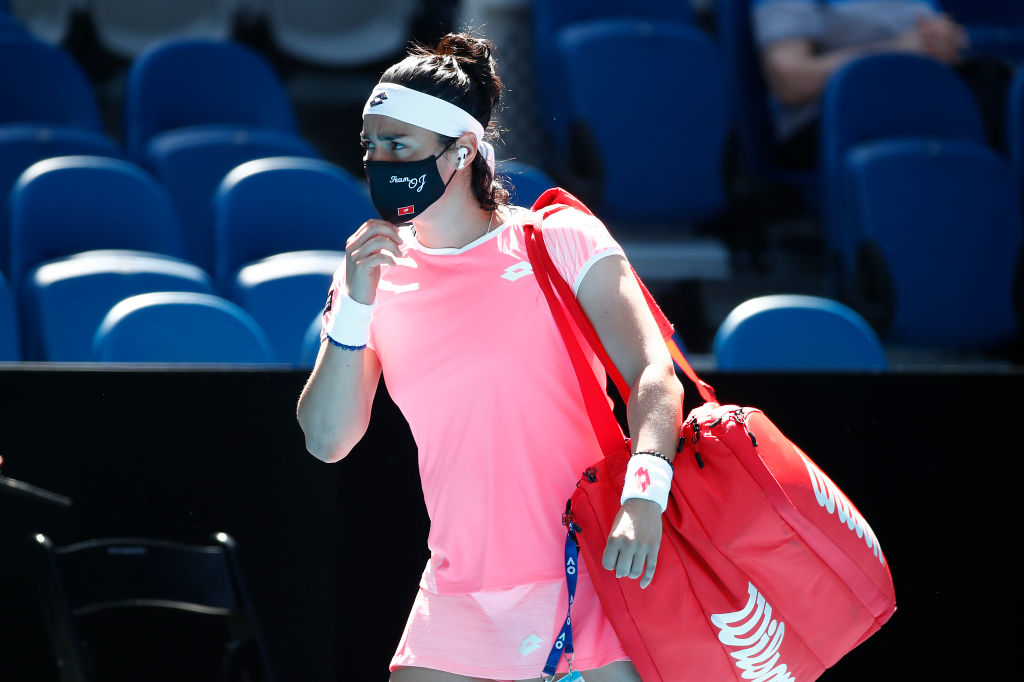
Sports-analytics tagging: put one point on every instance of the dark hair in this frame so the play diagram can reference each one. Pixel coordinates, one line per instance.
(459, 70)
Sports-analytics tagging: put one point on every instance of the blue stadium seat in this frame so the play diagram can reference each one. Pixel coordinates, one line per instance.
(11, 28)
(47, 108)
(180, 327)
(181, 83)
(277, 205)
(64, 300)
(282, 292)
(550, 17)
(795, 332)
(940, 242)
(884, 97)
(672, 68)
(10, 338)
(71, 204)
(526, 182)
(41, 84)
(749, 93)
(190, 163)
(23, 145)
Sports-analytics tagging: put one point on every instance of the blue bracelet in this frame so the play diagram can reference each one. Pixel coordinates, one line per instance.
(345, 346)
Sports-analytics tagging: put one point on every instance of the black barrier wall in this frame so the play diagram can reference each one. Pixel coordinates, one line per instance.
(333, 553)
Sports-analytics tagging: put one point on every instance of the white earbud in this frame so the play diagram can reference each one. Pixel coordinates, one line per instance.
(462, 158)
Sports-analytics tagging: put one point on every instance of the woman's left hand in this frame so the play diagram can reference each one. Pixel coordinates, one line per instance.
(632, 548)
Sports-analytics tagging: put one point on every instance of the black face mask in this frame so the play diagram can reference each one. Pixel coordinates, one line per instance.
(402, 190)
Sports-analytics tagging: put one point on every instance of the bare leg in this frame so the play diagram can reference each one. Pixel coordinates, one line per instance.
(619, 671)
(411, 674)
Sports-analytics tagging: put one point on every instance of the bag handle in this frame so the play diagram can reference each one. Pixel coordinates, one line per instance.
(546, 272)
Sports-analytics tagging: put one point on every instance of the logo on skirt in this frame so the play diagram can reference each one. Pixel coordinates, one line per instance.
(529, 645)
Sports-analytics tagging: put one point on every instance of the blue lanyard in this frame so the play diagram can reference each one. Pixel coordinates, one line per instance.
(563, 643)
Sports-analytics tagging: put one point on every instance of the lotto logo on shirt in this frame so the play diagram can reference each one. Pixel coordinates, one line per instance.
(520, 269)
(406, 210)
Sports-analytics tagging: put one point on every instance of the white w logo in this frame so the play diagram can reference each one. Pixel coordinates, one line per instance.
(760, 635)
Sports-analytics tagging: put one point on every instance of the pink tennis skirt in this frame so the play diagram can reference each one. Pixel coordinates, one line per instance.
(506, 634)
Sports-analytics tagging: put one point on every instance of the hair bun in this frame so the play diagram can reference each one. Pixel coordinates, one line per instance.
(460, 69)
(473, 57)
(467, 47)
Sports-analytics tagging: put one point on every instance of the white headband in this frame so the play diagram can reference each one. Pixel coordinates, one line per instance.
(426, 111)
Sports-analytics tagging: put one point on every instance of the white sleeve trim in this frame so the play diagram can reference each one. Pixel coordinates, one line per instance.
(603, 253)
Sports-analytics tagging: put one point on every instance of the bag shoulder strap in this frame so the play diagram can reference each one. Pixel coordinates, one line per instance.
(557, 199)
(595, 399)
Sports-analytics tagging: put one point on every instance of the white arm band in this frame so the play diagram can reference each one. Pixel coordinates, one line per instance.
(350, 323)
(648, 478)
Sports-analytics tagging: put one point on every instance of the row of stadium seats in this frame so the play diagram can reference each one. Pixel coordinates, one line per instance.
(196, 327)
(87, 231)
(66, 205)
(691, 90)
(323, 33)
(996, 29)
(68, 213)
(699, 86)
(922, 217)
(193, 111)
(178, 318)
(653, 177)
(906, 175)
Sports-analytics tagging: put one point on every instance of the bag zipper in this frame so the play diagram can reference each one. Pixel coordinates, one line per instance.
(741, 417)
(571, 526)
(695, 430)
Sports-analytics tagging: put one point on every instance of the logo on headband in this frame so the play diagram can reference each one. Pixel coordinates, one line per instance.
(406, 210)
(378, 99)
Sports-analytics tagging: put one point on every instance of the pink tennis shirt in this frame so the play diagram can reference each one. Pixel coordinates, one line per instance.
(472, 357)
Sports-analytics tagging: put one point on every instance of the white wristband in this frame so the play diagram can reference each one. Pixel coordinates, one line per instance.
(648, 478)
(350, 323)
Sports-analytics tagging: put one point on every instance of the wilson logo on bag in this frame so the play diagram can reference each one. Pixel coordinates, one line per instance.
(754, 639)
(834, 501)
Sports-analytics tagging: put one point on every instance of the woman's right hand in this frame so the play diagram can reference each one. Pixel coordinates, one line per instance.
(943, 38)
(375, 243)
(938, 37)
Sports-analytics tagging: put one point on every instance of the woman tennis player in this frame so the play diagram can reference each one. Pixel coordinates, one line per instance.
(438, 296)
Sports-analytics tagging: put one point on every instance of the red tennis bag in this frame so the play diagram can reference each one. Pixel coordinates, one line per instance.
(766, 570)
